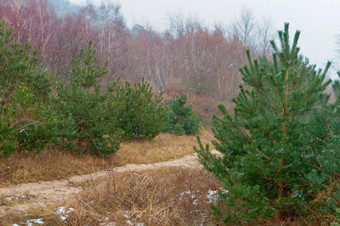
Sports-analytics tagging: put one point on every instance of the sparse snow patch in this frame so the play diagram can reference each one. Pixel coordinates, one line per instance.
(213, 195)
(61, 211)
(34, 221)
(16, 197)
(129, 222)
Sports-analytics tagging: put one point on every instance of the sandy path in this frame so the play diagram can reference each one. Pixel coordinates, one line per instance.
(45, 193)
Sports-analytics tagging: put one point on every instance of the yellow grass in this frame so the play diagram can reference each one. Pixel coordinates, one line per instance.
(166, 196)
(47, 165)
(163, 147)
(56, 164)
(47, 214)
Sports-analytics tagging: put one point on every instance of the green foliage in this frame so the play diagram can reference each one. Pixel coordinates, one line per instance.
(82, 119)
(281, 147)
(23, 88)
(139, 114)
(80, 115)
(8, 138)
(181, 119)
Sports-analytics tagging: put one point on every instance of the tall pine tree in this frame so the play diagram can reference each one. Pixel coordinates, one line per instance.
(277, 153)
(24, 86)
(82, 119)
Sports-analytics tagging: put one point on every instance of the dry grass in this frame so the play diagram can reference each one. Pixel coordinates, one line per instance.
(33, 215)
(47, 165)
(167, 196)
(56, 164)
(163, 147)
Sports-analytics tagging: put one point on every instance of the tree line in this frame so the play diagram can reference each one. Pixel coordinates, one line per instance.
(187, 56)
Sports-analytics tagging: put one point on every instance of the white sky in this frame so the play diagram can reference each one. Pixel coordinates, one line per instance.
(318, 20)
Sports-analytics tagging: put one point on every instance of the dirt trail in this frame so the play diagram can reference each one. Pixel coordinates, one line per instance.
(44, 193)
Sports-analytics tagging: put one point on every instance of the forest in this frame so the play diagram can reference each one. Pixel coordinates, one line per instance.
(244, 129)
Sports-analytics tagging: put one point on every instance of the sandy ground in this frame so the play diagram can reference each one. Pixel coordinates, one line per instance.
(44, 193)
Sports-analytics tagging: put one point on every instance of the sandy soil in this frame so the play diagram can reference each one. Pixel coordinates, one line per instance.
(44, 193)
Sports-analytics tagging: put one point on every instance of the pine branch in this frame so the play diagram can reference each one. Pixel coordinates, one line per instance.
(270, 99)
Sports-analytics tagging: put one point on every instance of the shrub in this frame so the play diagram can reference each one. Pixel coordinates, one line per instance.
(24, 86)
(281, 148)
(181, 119)
(82, 119)
(140, 115)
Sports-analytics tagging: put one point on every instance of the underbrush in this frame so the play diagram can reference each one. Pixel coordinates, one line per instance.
(166, 196)
(55, 164)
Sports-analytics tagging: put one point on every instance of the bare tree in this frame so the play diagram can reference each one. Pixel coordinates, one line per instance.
(112, 37)
(265, 33)
(244, 27)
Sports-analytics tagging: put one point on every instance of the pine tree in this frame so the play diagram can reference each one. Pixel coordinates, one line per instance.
(24, 86)
(82, 120)
(181, 118)
(140, 113)
(275, 159)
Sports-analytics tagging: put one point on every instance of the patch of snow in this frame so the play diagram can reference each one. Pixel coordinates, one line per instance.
(191, 195)
(63, 218)
(125, 214)
(62, 213)
(129, 222)
(16, 197)
(34, 221)
(70, 210)
(60, 210)
(105, 223)
(213, 195)
(188, 193)
(224, 191)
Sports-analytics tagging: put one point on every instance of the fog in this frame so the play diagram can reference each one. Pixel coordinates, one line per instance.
(318, 21)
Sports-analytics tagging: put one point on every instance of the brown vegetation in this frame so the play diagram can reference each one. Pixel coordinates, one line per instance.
(167, 196)
(187, 56)
(203, 105)
(52, 164)
(163, 147)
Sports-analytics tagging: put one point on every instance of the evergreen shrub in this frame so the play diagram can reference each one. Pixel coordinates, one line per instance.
(280, 150)
(181, 119)
(24, 86)
(82, 119)
(140, 114)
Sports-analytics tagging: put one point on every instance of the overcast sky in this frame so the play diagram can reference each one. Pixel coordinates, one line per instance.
(318, 20)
